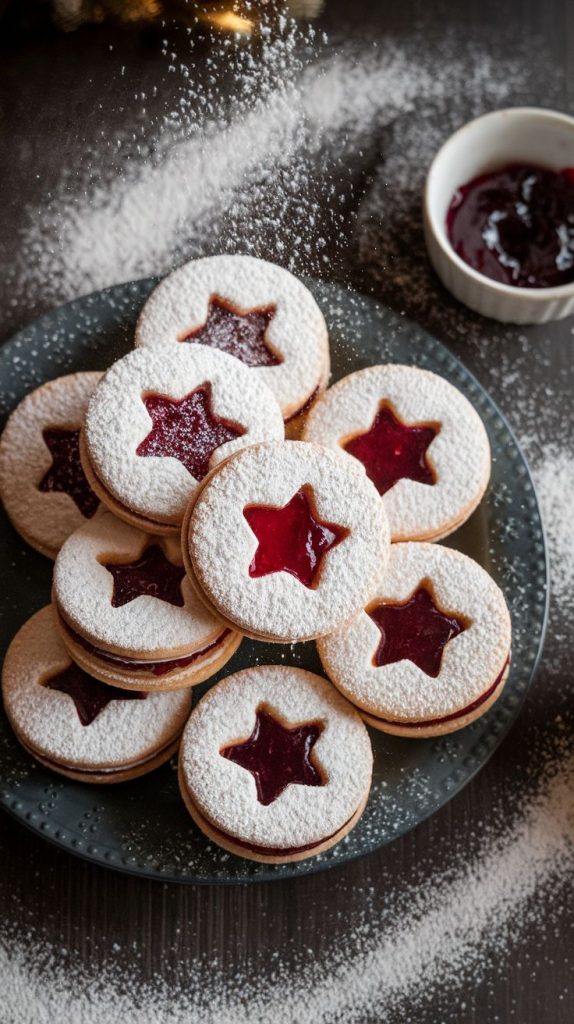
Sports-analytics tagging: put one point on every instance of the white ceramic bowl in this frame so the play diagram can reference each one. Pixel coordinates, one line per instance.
(516, 135)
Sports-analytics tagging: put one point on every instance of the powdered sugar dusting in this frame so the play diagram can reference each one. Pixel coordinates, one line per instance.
(470, 662)
(297, 330)
(125, 732)
(221, 543)
(459, 453)
(226, 794)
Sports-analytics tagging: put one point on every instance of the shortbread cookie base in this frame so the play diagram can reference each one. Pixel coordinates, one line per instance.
(115, 506)
(226, 842)
(421, 732)
(191, 675)
(43, 519)
(110, 777)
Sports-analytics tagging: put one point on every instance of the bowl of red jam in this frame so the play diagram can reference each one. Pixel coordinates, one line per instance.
(499, 215)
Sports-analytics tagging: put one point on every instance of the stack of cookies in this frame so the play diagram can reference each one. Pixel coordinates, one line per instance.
(181, 520)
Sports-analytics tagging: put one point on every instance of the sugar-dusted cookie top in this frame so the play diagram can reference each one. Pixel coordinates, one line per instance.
(287, 540)
(42, 484)
(251, 309)
(418, 439)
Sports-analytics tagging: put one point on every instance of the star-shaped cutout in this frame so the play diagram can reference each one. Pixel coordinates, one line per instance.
(186, 429)
(291, 538)
(277, 756)
(66, 475)
(417, 631)
(391, 450)
(89, 695)
(151, 575)
(240, 334)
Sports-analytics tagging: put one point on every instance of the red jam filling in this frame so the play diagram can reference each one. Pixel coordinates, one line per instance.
(277, 756)
(151, 575)
(456, 714)
(392, 450)
(272, 851)
(416, 631)
(186, 429)
(89, 695)
(66, 475)
(240, 334)
(157, 668)
(292, 538)
(516, 225)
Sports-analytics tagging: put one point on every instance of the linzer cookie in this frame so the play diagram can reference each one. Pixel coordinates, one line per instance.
(419, 440)
(275, 765)
(431, 652)
(128, 615)
(160, 420)
(250, 309)
(286, 541)
(42, 484)
(76, 725)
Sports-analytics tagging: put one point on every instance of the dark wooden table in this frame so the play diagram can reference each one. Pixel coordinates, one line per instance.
(57, 93)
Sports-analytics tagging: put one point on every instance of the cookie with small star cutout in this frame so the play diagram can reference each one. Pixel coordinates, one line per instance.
(76, 725)
(418, 439)
(160, 420)
(275, 765)
(286, 541)
(42, 483)
(253, 310)
(127, 613)
(431, 652)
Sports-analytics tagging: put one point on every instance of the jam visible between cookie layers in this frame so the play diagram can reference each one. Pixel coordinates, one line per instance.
(151, 575)
(268, 851)
(391, 450)
(89, 695)
(239, 334)
(186, 429)
(277, 756)
(66, 475)
(516, 225)
(456, 714)
(416, 631)
(157, 668)
(291, 538)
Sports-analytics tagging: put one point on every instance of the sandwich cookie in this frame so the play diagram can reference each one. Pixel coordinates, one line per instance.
(419, 440)
(275, 765)
(42, 484)
(158, 421)
(286, 541)
(253, 310)
(128, 615)
(431, 652)
(76, 725)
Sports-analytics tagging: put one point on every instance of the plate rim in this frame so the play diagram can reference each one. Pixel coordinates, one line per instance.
(313, 866)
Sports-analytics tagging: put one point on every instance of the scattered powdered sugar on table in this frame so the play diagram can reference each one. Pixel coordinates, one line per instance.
(265, 173)
(450, 929)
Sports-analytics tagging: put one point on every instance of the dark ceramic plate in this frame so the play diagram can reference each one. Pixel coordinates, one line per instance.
(142, 827)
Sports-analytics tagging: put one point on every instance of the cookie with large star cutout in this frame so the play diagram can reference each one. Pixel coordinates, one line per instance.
(431, 652)
(275, 765)
(127, 613)
(76, 725)
(42, 483)
(253, 310)
(286, 541)
(417, 438)
(160, 420)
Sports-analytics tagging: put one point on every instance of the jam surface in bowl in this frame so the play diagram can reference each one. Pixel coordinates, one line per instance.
(516, 225)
